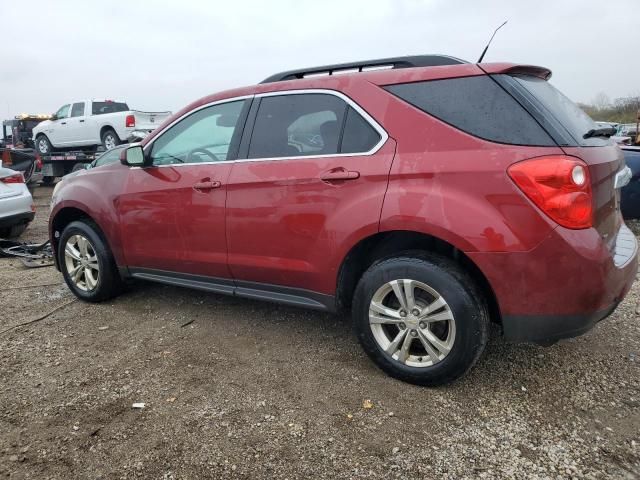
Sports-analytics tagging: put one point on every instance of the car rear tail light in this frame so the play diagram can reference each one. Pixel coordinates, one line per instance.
(130, 121)
(38, 162)
(17, 178)
(559, 185)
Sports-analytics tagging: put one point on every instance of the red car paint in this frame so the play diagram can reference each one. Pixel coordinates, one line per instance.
(280, 223)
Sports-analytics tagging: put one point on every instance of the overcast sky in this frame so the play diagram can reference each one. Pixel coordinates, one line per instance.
(161, 54)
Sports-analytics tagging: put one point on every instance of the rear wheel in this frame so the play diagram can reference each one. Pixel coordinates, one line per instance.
(87, 263)
(48, 180)
(420, 318)
(110, 139)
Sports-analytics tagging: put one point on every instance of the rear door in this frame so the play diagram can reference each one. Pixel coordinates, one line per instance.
(172, 214)
(310, 180)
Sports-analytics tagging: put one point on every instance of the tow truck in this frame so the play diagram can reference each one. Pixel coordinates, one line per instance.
(16, 145)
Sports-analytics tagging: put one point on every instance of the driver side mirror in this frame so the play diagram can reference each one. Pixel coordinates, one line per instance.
(53, 117)
(132, 156)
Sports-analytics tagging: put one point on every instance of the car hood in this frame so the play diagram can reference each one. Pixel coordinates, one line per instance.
(41, 126)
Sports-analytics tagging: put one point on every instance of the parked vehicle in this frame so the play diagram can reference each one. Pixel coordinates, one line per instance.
(16, 205)
(428, 195)
(630, 195)
(23, 160)
(89, 123)
(105, 158)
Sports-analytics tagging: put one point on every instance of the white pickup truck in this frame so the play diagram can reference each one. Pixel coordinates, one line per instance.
(90, 123)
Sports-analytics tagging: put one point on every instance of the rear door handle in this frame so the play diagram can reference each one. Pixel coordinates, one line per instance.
(202, 186)
(81, 121)
(338, 174)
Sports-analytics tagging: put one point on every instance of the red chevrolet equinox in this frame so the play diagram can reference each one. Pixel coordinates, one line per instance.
(427, 195)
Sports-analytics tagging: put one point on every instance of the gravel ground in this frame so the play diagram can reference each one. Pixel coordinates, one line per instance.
(255, 390)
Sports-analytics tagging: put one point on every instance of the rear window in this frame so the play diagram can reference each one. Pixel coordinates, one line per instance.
(100, 108)
(552, 103)
(476, 105)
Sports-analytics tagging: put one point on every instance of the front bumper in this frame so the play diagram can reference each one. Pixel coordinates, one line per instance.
(563, 287)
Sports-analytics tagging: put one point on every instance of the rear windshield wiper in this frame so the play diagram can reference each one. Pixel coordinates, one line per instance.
(600, 132)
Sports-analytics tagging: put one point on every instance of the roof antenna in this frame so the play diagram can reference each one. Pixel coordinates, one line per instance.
(490, 40)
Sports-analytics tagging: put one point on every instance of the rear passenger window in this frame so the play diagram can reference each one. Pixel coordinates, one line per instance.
(476, 105)
(359, 136)
(297, 125)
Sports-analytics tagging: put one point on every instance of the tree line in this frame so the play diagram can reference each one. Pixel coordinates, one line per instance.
(620, 110)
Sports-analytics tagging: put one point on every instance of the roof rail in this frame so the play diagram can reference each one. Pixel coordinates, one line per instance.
(378, 64)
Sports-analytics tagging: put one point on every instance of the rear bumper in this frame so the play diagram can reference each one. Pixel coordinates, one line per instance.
(549, 328)
(563, 287)
(16, 219)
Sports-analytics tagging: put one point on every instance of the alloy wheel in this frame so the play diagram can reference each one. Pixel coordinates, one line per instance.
(81, 262)
(412, 323)
(109, 142)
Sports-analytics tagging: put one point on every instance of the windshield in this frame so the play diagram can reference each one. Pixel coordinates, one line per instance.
(567, 113)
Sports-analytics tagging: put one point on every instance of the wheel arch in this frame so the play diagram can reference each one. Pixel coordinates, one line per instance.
(385, 244)
(63, 217)
(105, 128)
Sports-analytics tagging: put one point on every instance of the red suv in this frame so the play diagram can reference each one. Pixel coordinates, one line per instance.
(426, 194)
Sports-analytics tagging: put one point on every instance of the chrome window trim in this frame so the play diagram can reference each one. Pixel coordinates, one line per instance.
(384, 136)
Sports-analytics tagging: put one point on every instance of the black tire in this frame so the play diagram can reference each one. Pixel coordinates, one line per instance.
(14, 231)
(110, 134)
(48, 180)
(43, 145)
(463, 298)
(109, 282)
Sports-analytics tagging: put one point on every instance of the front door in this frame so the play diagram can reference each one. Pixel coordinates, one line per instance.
(314, 180)
(56, 131)
(173, 212)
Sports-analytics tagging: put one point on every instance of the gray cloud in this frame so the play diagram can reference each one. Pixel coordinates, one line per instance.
(163, 54)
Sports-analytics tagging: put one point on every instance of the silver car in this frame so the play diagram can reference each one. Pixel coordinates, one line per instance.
(16, 204)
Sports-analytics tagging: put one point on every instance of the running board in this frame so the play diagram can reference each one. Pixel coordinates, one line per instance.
(258, 291)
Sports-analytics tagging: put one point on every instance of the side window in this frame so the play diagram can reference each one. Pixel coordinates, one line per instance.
(77, 110)
(359, 136)
(476, 105)
(204, 136)
(63, 112)
(297, 125)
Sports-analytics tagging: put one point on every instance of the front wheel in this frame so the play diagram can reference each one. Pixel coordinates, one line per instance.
(420, 318)
(43, 145)
(87, 264)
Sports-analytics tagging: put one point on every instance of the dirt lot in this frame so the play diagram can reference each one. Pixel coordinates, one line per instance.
(255, 390)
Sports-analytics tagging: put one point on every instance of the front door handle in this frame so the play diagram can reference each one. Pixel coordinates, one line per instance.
(63, 123)
(338, 174)
(81, 121)
(202, 186)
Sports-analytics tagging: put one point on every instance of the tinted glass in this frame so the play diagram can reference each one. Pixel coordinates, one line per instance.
(77, 110)
(100, 108)
(297, 125)
(359, 136)
(476, 105)
(570, 116)
(63, 112)
(204, 136)
(112, 156)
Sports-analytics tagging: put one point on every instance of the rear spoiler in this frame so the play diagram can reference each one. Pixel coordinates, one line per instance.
(511, 69)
